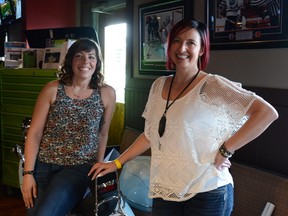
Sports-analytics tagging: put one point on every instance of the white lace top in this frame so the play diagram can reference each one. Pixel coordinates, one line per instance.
(197, 124)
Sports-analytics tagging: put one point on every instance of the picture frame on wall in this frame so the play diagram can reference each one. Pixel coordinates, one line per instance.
(243, 24)
(155, 21)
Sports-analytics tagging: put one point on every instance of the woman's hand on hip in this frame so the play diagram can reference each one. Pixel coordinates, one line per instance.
(221, 162)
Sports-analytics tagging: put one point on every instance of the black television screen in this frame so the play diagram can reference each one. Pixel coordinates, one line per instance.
(37, 38)
(1, 2)
(2, 42)
(7, 11)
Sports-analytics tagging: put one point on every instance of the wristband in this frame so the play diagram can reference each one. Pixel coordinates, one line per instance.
(224, 152)
(29, 172)
(118, 164)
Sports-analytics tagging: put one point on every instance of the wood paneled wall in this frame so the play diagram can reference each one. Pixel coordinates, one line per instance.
(135, 101)
(269, 151)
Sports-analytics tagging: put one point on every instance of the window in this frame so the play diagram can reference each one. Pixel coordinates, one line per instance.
(115, 58)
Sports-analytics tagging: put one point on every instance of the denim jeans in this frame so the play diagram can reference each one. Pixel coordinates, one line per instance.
(218, 202)
(59, 188)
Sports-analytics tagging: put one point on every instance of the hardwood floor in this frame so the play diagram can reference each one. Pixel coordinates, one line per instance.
(11, 203)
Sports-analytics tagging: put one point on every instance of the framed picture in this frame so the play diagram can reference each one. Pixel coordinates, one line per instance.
(51, 58)
(243, 24)
(155, 21)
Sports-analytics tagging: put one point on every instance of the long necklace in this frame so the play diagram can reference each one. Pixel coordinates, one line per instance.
(162, 122)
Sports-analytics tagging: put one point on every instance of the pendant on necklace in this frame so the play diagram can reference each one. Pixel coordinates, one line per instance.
(162, 125)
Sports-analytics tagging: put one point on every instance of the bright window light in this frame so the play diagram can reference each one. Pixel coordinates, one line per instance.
(115, 58)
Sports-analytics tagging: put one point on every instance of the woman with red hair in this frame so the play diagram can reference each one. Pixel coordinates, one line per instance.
(194, 122)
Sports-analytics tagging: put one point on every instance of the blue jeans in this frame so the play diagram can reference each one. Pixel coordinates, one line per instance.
(218, 202)
(59, 188)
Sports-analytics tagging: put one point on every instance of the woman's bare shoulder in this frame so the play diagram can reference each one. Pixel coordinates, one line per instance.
(50, 89)
(108, 94)
(108, 90)
(52, 84)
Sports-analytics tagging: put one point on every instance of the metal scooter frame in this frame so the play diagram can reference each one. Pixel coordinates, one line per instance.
(119, 208)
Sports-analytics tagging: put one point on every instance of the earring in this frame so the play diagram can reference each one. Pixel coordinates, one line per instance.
(199, 63)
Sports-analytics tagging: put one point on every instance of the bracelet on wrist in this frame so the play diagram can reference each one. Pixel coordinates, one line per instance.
(224, 152)
(118, 164)
(28, 172)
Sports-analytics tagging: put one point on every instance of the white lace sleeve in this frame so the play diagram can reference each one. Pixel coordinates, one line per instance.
(222, 92)
(154, 90)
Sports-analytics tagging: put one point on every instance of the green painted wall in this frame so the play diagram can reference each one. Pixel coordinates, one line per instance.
(19, 91)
